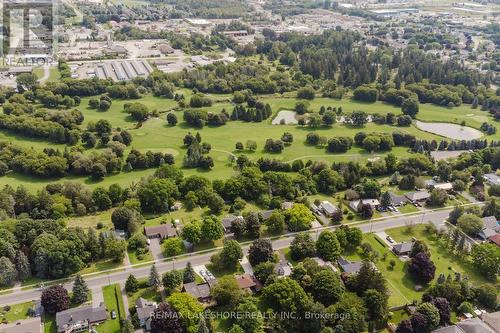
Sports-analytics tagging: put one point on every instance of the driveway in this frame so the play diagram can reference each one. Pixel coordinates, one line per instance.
(245, 264)
(155, 248)
(97, 297)
(383, 236)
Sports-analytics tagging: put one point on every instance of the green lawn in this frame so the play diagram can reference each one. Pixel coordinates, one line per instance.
(100, 266)
(399, 284)
(146, 293)
(16, 312)
(446, 262)
(132, 255)
(113, 301)
(156, 135)
(49, 324)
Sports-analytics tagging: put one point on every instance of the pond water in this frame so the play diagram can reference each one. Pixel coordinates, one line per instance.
(452, 131)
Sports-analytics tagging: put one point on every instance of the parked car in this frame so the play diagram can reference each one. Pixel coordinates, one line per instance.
(389, 238)
(113, 314)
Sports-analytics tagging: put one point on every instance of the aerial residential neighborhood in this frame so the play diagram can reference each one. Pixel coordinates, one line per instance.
(250, 166)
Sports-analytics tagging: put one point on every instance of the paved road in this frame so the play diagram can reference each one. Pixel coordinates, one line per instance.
(98, 281)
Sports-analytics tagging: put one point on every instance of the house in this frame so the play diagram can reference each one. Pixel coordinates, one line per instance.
(287, 205)
(228, 220)
(495, 239)
(323, 263)
(283, 268)
(200, 291)
(357, 204)
(161, 231)
(442, 186)
(80, 319)
(248, 282)
(474, 325)
(165, 48)
(328, 208)
(418, 196)
(176, 206)
(265, 214)
(490, 228)
(492, 179)
(315, 209)
(397, 200)
(349, 267)
(32, 325)
(144, 309)
(402, 249)
(492, 320)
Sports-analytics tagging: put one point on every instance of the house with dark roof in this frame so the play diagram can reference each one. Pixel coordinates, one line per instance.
(350, 267)
(145, 309)
(80, 319)
(490, 228)
(31, 325)
(402, 249)
(248, 282)
(397, 200)
(161, 231)
(227, 222)
(474, 325)
(200, 291)
(418, 196)
(328, 208)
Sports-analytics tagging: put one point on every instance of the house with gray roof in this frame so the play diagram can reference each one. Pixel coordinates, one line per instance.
(228, 221)
(80, 319)
(350, 267)
(397, 200)
(161, 231)
(490, 227)
(418, 196)
(145, 309)
(200, 291)
(403, 249)
(492, 178)
(328, 208)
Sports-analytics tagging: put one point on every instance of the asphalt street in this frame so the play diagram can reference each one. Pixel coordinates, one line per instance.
(120, 276)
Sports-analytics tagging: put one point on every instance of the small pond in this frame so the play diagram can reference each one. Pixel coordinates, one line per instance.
(452, 131)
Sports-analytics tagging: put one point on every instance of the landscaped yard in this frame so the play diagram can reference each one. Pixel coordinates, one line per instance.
(16, 312)
(400, 285)
(132, 255)
(100, 266)
(113, 301)
(446, 262)
(145, 292)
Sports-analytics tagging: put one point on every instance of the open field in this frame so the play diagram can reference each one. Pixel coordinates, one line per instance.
(156, 135)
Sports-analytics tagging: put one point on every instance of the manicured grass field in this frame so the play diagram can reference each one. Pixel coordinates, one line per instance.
(113, 301)
(132, 255)
(49, 324)
(156, 135)
(399, 284)
(100, 266)
(146, 293)
(446, 262)
(16, 312)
